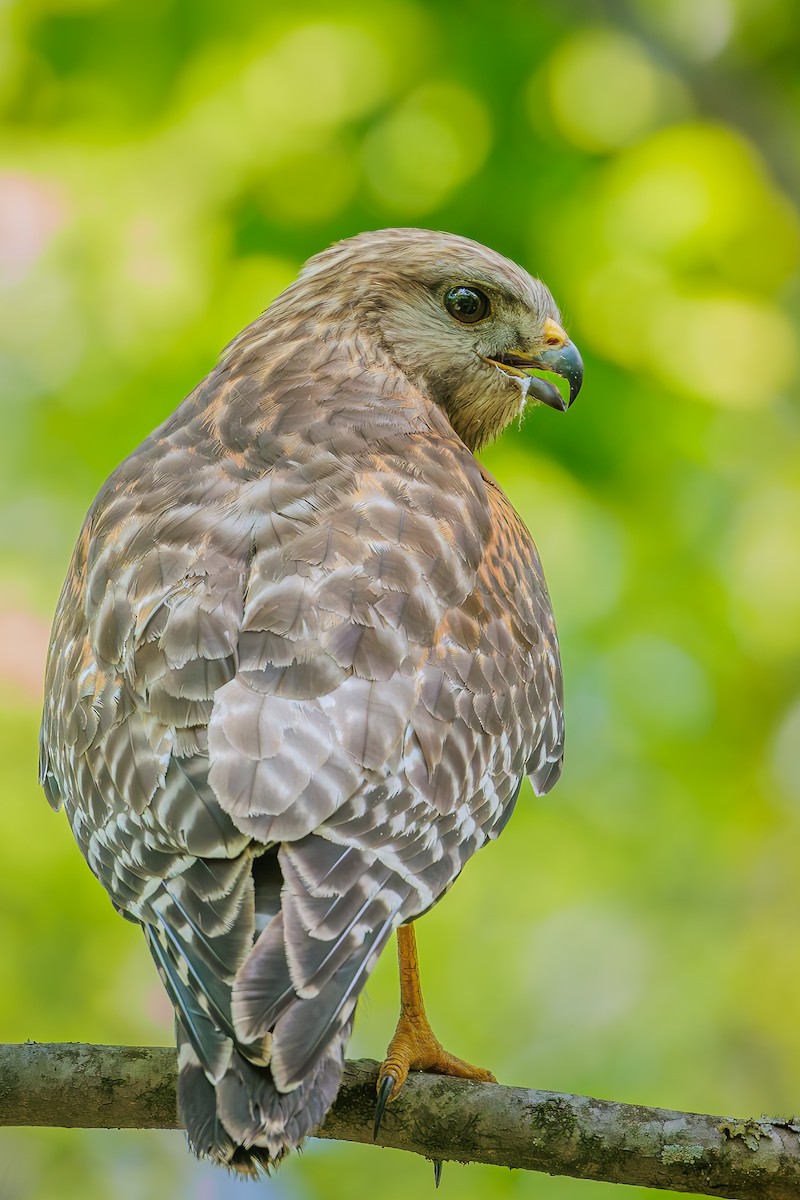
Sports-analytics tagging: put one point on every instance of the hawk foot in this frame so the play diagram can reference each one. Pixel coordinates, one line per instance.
(415, 1047)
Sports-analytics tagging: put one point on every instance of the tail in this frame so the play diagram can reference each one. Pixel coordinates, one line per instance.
(243, 1122)
(261, 1052)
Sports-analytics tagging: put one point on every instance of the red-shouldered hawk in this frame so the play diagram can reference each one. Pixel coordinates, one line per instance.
(302, 661)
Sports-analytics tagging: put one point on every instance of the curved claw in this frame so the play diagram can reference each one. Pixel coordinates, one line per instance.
(385, 1088)
(437, 1171)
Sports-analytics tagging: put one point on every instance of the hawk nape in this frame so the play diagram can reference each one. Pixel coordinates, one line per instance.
(303, 659)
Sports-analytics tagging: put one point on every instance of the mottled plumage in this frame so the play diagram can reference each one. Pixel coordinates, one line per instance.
(303, 659)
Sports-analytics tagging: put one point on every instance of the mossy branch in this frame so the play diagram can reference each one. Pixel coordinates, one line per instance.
(133, 1087)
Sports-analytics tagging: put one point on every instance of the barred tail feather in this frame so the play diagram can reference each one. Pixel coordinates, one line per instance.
(258, 1115)
(253, 1093)
(197, 1108)
(243, 1122)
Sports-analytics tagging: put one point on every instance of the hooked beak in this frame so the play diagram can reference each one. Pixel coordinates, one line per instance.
(562, 358)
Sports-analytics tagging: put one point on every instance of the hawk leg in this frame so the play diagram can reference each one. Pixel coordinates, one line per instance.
(414, 1046)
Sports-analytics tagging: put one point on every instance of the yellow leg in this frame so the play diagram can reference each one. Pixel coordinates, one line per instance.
(414, 1046)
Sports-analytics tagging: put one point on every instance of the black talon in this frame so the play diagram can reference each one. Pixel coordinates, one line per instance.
(384, 1091)
(437, 1171)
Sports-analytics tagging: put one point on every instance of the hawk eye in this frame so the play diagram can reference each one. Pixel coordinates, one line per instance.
(467, 305)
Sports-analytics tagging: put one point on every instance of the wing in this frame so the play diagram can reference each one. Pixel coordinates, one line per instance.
(302, 661)
(393, 691)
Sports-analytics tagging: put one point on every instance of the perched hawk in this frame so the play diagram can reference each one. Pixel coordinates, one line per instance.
(302, 661)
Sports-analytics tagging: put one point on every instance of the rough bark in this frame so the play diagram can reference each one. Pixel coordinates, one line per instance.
(133, 1087)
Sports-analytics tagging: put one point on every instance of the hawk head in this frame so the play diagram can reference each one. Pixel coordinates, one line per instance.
(466, 324)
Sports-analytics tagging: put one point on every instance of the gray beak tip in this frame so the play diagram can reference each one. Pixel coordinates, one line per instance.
(566, 362)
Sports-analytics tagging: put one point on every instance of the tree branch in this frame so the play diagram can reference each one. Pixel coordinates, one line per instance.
(133, 1087)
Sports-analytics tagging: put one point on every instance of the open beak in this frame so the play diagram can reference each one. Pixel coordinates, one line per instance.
(562, 359)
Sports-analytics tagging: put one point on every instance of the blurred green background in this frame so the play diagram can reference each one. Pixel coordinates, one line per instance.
(167, 165)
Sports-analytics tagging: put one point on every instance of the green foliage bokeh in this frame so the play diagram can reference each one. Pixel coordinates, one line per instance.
(166, 167)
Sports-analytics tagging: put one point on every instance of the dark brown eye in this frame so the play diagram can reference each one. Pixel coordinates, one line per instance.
(467, 305)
